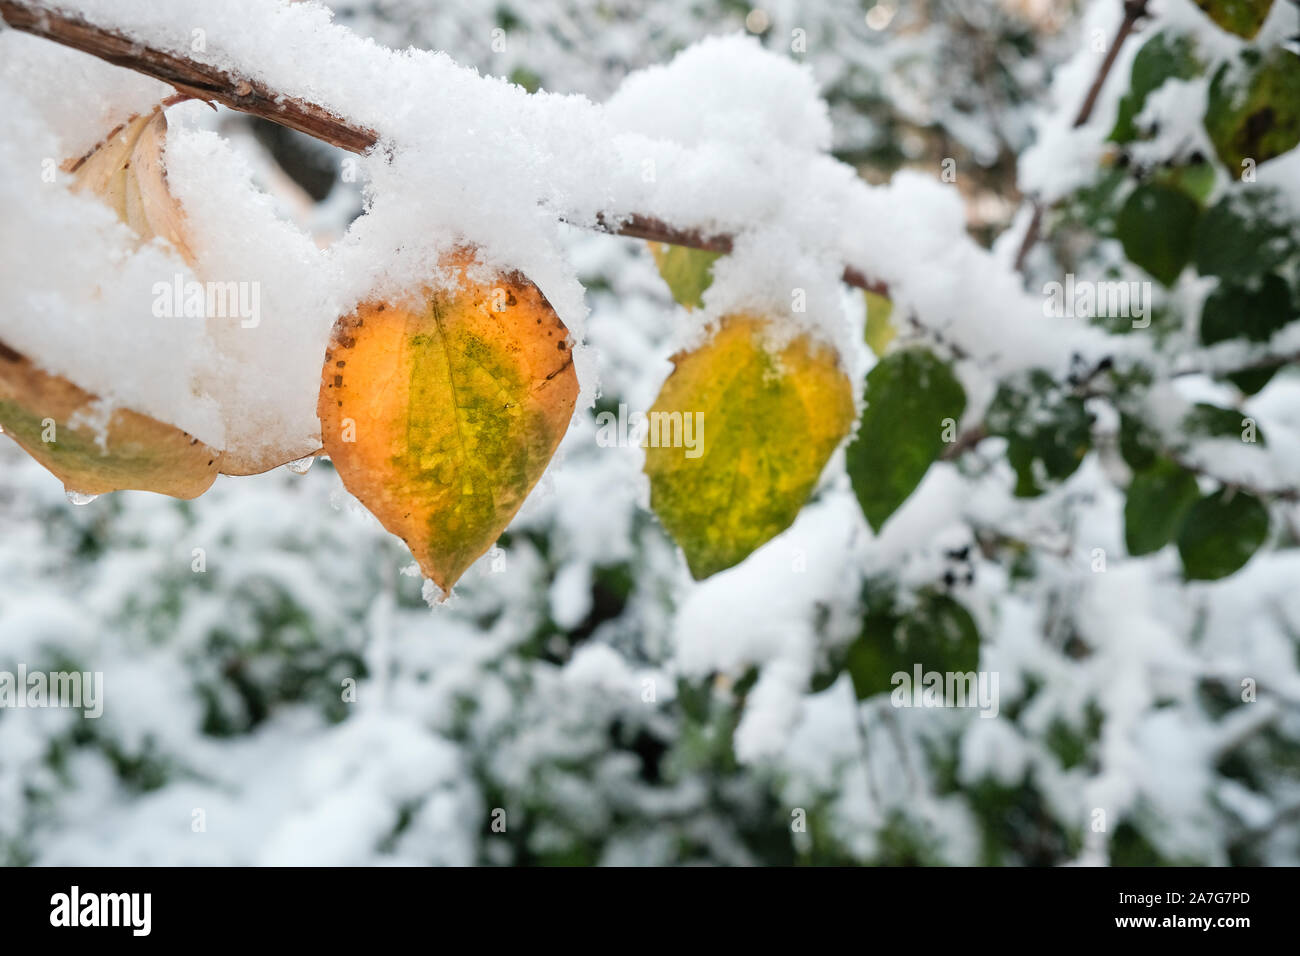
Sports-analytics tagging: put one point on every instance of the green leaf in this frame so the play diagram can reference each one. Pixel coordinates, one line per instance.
(1048, 431)
(1156, 227)
(1252, 380)
(910, 395)
(1138, 444)
(1157, 501)
(1253, 314)
(1220, 533)
(1194, 179)
(1242, 17)
(688, 272)
(1254, 108)
(939, 634)
(1238, 312)
(1163, 57)
(1097, 204)
(1243, 235)
(1211, 421)
(738, 438)
(880, 331)
(530, 81)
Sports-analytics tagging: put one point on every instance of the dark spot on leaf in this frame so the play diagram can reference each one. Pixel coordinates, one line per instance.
(1259, 123)
(560, 369)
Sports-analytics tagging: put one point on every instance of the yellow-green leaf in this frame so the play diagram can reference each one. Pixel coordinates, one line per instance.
(1253, 111)
(1242, 17)
(739, 436)
(688, 272)
(51, 419)
(441, 413)
(880, 331)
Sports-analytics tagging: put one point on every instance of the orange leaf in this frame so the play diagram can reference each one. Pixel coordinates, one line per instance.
(441, 414)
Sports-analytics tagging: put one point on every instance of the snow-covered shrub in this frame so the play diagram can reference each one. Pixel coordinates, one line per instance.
(1072, 473)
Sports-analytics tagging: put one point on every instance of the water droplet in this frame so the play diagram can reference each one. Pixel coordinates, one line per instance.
(302, 465)
(80, 497)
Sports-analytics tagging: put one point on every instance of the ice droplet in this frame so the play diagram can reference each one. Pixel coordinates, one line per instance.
(80, 497)
(302, 465)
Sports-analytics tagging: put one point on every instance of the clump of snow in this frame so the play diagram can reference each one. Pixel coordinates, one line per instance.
(695, 99)
(1176, 111)
(77, 297)
(268, 357)
(726, 138)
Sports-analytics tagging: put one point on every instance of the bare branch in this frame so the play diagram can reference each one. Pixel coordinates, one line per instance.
(1134, 10)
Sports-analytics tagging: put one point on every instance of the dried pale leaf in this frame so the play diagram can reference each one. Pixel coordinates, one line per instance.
(126, 171)
(104, 171)
(441, 414)
(240, 463)
(158, 211)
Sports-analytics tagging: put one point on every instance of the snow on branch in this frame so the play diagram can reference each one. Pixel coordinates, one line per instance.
(200, 80)
(208, 82)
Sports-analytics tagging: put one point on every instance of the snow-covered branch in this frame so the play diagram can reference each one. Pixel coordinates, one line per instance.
(208, 82)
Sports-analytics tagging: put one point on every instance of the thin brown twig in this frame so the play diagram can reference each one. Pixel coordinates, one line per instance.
(1134, 10)
(1263, 362)
(965, 441)
(203, 81)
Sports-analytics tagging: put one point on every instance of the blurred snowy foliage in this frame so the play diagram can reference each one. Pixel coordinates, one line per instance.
(273, 670)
